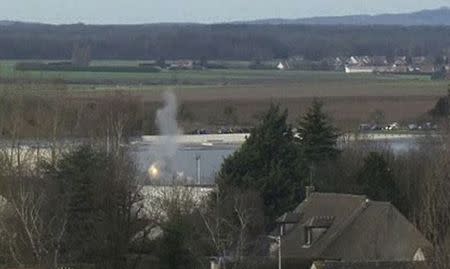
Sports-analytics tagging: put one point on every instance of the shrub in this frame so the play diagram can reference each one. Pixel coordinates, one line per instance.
(72, 68)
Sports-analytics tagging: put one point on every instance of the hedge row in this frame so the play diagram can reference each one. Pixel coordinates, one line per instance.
(72, 68)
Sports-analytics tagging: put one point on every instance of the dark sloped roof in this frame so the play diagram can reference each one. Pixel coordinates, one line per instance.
(289, 217)
(342, 207)
(381, 233)
(359, 229)
(320, 221)
(370, 265)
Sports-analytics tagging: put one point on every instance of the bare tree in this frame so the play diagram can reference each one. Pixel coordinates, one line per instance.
(57, 117)
(31, 223)
(120, 111)
(234, 224)
(433, 215)
(108, 120)
(247, 207)
(174, 207)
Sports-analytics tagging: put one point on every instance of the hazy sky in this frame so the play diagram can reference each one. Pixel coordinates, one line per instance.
(148, 11)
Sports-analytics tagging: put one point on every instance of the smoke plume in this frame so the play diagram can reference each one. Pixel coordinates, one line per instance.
(166, 120)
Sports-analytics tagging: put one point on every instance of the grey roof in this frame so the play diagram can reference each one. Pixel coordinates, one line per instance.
(289, 217)
(370, 265)
(359, 229)
(320, 221)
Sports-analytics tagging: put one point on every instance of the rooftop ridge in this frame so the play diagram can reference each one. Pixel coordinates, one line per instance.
(346, 223)
(327, 194)
(340, 226)
(338, 194)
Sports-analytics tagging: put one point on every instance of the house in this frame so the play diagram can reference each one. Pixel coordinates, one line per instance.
(366, 64)
(349, 69)
(400, 64)
(400, 61)
(418, 60)
(330, 226)
(379, 61)
(400, 68)
(359, 60)
(338, 61)
(369, 265)
(353, 60)
(427, 68)
(293, 62)
(422, 65)
(284, 65)
(368, 69)
(182, 64)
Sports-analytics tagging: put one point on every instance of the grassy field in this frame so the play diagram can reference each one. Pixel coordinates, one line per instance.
(206, 94)
(193, 77)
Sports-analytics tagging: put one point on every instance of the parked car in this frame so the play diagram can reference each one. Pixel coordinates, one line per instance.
(412, 126)
(392, 126)
(364, 127)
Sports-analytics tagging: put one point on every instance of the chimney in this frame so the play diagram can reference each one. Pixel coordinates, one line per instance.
(310, 190)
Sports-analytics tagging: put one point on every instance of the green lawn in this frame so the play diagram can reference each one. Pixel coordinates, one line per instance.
(236, 81)
(198, 77)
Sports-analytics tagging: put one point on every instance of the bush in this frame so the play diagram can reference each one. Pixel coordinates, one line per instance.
(441, 109)
(439, 74)
(71, 68)
(261, 66)
(216, 66)
(25, 66)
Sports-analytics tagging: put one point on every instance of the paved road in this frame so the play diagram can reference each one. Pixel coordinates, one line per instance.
(237, 139)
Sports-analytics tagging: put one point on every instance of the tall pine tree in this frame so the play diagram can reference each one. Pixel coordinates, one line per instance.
(376, 179)
(317, 136)
(101, 198)
(268, 162)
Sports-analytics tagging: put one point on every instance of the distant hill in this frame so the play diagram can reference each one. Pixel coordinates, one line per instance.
(6, 23)
(434, 17)
(22, 40)
(18, 23)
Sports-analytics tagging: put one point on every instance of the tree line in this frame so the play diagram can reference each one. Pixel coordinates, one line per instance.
(84, 204)
(222, 41)
(48, 112)
(280, 160)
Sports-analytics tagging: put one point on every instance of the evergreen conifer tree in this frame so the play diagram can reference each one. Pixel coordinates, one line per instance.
(317, 137)
(268, 162)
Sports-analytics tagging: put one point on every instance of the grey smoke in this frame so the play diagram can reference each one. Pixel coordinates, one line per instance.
(166, 120)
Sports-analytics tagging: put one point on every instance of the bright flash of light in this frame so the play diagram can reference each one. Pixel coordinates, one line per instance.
(153, 171)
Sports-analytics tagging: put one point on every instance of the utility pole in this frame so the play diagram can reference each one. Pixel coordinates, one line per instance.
(279, 246)
(282, 221)
(199, 174)
(277, 240)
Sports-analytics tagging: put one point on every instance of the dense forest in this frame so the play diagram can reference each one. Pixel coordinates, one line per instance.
(224, 41)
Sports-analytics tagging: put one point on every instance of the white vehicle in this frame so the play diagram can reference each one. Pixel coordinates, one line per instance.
(393, 126)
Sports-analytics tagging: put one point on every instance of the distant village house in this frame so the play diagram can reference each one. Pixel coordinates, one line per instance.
(284, 65)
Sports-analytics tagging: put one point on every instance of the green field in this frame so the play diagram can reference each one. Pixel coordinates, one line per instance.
(236, 83)
(197, 77)
(350, 98)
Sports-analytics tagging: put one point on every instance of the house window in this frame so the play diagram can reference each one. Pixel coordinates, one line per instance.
(308, 236)
(312, 234)
(315, 227)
